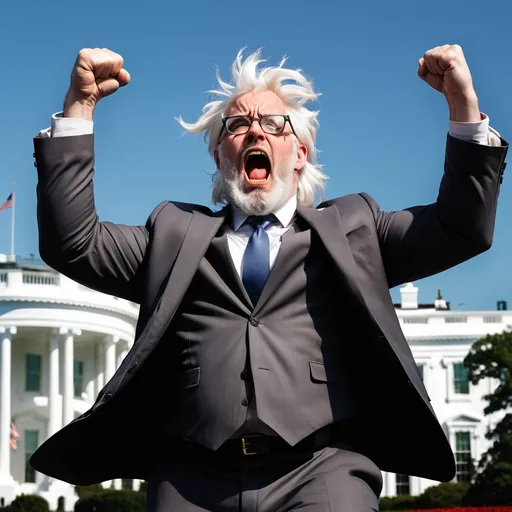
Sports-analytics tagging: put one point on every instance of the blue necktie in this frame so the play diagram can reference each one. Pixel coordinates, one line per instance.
(256, 260)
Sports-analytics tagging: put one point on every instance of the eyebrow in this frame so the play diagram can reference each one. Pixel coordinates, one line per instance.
(238, 113)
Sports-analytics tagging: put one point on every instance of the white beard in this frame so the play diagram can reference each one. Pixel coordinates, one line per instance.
(256, 202)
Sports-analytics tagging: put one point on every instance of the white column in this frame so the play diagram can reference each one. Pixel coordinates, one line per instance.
(100, 367)
(6, 335)
(54, 411)
(122, 355)
(414, 485)
(110, 356)
(391, 484)
(68, 391)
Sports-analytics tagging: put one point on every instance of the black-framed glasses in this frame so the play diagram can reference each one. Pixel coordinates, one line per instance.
(273, 124)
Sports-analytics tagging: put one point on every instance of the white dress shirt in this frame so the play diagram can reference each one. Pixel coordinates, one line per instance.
(239, 233)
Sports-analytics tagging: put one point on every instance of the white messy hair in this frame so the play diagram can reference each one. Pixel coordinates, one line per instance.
(246, 78)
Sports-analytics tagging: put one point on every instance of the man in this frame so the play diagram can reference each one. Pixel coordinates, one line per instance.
(269, 370)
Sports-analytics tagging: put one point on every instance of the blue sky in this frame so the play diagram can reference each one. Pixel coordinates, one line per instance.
(382, 129)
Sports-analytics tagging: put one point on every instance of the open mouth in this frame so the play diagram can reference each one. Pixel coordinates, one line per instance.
(257, 166)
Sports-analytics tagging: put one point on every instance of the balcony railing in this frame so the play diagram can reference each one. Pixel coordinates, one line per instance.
(421, 325)
(415, 320)
(18, 284)
(40, 278)
(456, 319)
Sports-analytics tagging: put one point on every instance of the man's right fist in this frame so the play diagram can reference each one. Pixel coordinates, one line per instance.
(97, 73)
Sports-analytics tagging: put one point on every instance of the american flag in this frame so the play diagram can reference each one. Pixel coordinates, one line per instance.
(14, 437)
(8, 203)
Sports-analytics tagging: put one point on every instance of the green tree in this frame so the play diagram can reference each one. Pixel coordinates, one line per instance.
(491, 357)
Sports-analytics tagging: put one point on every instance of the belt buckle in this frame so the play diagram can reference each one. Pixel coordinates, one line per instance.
(245, 444)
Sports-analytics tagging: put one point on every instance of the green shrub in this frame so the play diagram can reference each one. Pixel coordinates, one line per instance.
(84, 491)
(113, 501)
(445, 495)
(398, 503)
(30, 503)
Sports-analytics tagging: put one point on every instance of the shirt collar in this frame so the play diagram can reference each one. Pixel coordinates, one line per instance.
(284, 214)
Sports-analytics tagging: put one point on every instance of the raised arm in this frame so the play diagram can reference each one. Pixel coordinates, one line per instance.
(104, 256)
(423, 240)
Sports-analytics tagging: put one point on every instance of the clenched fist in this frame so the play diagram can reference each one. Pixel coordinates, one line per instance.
(445, 69)
(97, 73)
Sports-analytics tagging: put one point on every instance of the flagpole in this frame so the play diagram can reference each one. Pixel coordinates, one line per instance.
(12, 219)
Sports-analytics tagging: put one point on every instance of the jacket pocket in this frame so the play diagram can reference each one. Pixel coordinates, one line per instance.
(318, 373)
(190, 378)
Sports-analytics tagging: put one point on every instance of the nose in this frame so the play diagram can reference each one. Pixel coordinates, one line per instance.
(255, 132)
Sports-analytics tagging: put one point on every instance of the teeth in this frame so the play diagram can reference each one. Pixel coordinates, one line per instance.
(257, 153)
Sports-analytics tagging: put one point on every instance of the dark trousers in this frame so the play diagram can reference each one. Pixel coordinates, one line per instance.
(331, 479)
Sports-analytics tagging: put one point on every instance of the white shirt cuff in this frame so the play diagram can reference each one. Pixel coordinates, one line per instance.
(67, 127)
(478, 132)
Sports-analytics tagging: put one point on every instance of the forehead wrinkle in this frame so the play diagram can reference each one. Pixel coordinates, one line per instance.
(249, 104)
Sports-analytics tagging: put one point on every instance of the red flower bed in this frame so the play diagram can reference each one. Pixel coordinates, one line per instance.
(467, 509)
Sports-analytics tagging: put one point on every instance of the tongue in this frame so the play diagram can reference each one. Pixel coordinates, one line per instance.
(257, 174)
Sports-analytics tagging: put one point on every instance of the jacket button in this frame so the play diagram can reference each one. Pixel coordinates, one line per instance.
(245, 403)
(255, 322)
(245, 375)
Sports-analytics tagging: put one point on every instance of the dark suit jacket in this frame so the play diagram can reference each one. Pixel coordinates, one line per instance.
(153, 265)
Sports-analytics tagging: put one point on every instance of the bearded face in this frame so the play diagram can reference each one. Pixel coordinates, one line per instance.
(259, 158)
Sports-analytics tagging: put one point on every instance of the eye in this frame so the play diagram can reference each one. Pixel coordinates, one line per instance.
(273, 124)
(236, 124)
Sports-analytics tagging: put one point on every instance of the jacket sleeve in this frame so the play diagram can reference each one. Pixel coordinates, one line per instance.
(104, 256)
(423, 240)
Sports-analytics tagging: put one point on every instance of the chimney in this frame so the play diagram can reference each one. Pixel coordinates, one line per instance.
(501, 305)
(440, 303)
(409, 294)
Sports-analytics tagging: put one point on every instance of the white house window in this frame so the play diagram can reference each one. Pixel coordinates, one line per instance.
(78, 378)
(403, 485)
(460, 379)
(421, 369)
(463, 456)
(31, 444)
(127, 483)
(33, 372)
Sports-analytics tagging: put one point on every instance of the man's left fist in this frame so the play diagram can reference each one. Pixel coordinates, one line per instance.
(445, 69)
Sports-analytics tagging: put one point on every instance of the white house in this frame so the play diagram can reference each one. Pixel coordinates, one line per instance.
(61, 342)
(440, 339)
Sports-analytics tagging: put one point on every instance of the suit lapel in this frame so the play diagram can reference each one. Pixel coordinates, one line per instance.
(223, 263)
(199, 235)
(327, 224)
(329, 227)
